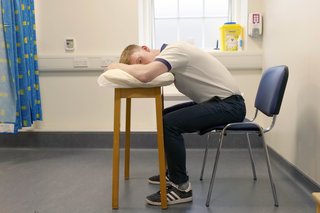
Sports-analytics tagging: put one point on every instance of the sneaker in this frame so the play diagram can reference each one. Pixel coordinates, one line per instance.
(156, 179)
(174, 196)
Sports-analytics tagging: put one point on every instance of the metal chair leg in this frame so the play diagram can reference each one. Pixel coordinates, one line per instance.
(205, 157)
(251, 158)
(270, 172)
(214, 168)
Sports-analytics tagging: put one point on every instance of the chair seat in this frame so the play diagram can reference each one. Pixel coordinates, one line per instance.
(246, 125)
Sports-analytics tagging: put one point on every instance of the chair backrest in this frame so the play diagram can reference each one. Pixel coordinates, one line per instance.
(271, 90)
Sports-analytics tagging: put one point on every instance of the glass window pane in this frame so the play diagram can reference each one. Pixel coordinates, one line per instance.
(165, 8)
(212, 32)
(194, 21)
(191, 31)
(216, 8)
(190, 8)
(165, 31)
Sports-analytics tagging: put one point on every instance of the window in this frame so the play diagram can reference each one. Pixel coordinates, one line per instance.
(194, 21)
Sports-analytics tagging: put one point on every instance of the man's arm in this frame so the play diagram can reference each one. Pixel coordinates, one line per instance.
(142, 72)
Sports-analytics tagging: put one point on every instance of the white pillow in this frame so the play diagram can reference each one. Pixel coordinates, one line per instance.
(120, 79)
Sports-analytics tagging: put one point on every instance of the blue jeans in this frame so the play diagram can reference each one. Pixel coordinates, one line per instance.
(191, 117)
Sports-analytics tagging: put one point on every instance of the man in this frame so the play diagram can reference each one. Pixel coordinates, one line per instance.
(215, 96)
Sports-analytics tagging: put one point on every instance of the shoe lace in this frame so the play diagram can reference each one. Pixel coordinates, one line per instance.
(169, 188)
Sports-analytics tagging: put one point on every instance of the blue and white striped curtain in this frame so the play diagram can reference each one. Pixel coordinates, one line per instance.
(20, 102)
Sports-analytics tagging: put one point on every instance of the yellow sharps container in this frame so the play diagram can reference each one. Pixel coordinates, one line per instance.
(231, 37)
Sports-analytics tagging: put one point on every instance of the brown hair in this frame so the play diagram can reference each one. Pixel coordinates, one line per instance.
(127, 52)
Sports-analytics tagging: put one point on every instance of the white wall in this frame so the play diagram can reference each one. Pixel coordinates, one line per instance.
(98, 26)
(72, 100)
(291, 37)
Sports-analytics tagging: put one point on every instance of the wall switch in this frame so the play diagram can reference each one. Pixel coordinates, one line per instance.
(80, 62)
(69, 44)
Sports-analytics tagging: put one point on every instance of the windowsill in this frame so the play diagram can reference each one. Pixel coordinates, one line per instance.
(242, 52)
(239, 60)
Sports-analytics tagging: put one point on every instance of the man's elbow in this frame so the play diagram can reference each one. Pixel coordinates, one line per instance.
(144, 79)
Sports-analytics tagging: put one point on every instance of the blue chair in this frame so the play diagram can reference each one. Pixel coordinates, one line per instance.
(268, 101)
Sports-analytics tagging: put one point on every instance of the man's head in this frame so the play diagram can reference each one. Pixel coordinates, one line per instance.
(135, 54)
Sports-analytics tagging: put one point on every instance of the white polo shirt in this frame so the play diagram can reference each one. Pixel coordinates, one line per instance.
(198, 75)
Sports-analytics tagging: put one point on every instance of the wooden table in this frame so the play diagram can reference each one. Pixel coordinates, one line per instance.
(128, 94)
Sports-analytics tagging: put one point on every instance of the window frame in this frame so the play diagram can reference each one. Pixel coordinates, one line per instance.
(237, 13)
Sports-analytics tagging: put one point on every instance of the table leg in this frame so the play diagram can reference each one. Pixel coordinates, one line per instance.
(116, 150)
(127, 143)
(162, 167)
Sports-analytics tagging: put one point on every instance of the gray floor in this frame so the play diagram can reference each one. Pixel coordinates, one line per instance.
(79, 181)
